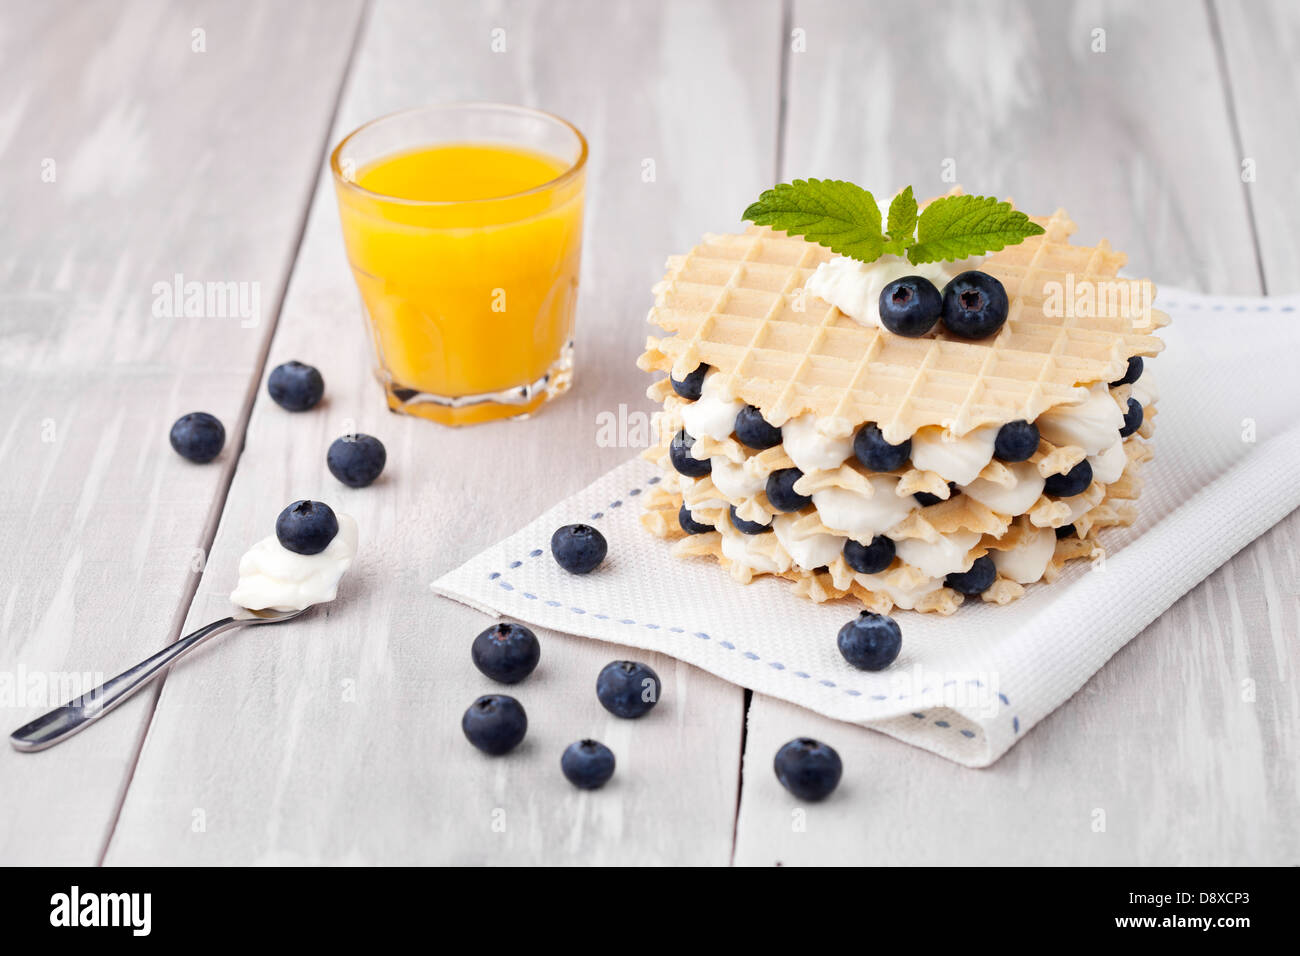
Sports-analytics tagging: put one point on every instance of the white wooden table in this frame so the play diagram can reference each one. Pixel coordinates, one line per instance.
(144, 140)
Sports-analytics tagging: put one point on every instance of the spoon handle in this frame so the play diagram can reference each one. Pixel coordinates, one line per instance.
(62, 722)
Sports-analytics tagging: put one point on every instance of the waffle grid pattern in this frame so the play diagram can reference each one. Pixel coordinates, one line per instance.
(735, 303)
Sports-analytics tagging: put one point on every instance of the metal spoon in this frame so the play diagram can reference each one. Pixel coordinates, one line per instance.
(78, 714)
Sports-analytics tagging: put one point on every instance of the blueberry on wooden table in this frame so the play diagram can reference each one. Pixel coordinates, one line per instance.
(495, 724)
(808, 768)
(198, 436)
(295, 386)
(356, 460)
(627, 688)
(587, 764)
(506, 652)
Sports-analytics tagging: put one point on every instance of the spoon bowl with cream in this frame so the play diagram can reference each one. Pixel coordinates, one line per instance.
(279, 578)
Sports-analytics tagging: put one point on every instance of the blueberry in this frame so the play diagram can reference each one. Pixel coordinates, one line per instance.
(587, 764)
(306, 527)
(627, 689)
(869, 558)
(974, 305)
(578, 548)
(506, 652)
(808, 768)
(1132, 418)
(1073, 482)
(1016, 441)
(780, 490)
(928, 499)
(870, 641)
(295, 386)
(356, 460)
(1131, 374)
(977, 580)
(753, 431)
(689, 524)
(1066, 531)
(877, 454)
(748, 527)
(910, 306)
(679, 453)
(198, 436)
(495, 724)
(690, 386)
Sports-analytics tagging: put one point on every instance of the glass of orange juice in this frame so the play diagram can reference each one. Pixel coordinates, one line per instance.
(463, 228)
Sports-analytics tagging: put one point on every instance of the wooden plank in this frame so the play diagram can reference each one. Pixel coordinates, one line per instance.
(259, 733)
(1134, 141)
(127, 162)
(1162, 740)
(1261, 45)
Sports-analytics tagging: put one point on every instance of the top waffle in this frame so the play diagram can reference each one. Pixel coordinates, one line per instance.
(735, 302)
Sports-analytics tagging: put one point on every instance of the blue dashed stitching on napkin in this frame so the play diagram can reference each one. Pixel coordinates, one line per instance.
(1220, 307)
(748, 655)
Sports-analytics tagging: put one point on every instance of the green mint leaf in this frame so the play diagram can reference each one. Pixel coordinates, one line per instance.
(902, 222)
(958, 227)
(830, 212)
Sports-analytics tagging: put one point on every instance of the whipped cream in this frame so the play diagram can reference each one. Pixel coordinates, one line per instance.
(951, 552)
(952, 458)
(854, 287)
(735, 480)
(1092, 424)
(1013, 500)
(273, 577)
(810, 449)
(754, 552)
(712, 414)
(1028, 560)
(860, 516)
(905, 588)
(1109, 464)
(809, 551)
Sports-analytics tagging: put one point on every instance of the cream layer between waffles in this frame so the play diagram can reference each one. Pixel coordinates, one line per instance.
(738, 305)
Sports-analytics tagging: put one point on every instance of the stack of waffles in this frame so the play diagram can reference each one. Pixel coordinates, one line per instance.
(735, 312)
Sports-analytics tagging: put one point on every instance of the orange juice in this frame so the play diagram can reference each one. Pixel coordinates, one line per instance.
(466, 255)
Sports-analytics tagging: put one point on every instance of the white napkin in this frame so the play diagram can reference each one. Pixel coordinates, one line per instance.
(969, 686)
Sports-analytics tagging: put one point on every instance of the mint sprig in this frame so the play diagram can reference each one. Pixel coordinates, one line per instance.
(829, 212)
(958, 227)
(902, 222)
(845, 218)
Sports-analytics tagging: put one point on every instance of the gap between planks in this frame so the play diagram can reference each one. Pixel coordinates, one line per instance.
(218, 506)
(1234, 124)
